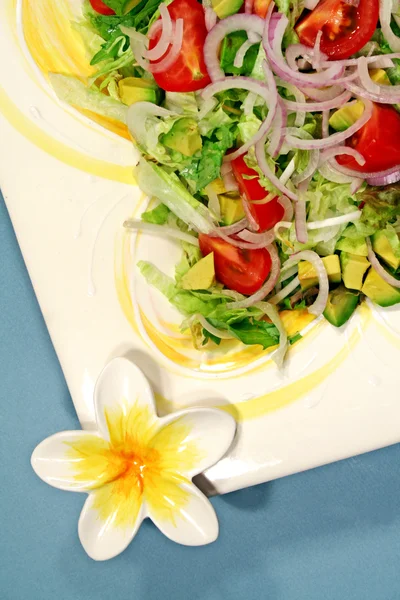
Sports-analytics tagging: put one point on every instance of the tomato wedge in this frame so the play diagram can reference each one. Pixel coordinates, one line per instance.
(101, 8)
(243, 271)
(189, 72)
(266, 215)
(260, 7)
(378, 141)
(346, 28)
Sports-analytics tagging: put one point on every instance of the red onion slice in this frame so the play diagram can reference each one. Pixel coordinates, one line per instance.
(241, 53)
(248, 6)
(294, 51)
(166, 36)
(172, 54)
(318, 307)
(379, 268)
(336, 138)
(387, 95)
(218, 232)
(340, 150)
(269, 95)
(323, 94)
(300, 99)
(266, 288)
(335, 102)
(309, 170)
(387, 177)
(262, 163)
(310, 4)
(210, 17)
(239, 22)
(282, 69)
(300, 221)
(137, 117)
(284, 292)
(230, 183)
(234, 228)
(249, 215)
(271, 312)
(139, 44)
(265, 238)
(385, 15)
(219, 333)
(277, 134)
(161, 230)
(288, 206)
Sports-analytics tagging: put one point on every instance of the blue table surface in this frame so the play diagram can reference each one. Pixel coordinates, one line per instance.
(327, 534)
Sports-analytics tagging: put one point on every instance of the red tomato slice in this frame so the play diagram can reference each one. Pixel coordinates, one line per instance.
(189, 72)
(101, 8)
(243, 271)
(267, 215)
(378, 141)
(345, 28)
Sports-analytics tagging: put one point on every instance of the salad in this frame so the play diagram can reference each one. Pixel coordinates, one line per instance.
(269, 136)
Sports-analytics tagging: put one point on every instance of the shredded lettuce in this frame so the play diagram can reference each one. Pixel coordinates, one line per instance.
(72, 91)
(167, 187)
(159, 215)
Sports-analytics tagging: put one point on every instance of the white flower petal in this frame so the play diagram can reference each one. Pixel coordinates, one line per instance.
(109, 522)
(121, 385)
(57, 462)
(194, 524)
(209, 430)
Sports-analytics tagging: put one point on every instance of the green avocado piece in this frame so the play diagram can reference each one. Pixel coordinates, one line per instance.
(134, 89)
(201, 276)
(340, 306)
(184, 137)
(346, 116)
(231, 208)
(308, 275)
(225, 8)
(353, 270)
(382, 246)
(353, 245)
(379, 291)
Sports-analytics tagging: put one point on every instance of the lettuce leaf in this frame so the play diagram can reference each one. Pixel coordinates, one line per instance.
(159, 215)
(185, 301)
(250, 331)
(206, 168)
(168, 189)
(229, 49)
(72, 91)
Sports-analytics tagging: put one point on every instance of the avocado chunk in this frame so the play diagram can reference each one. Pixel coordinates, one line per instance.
(231, 208)
(346, 116)
(379, 76)
(340, 306)
(134, 89)
(353, 245)
(225, 8)
(383, 248)
(201, 276)
(308, 275)
(353, 270)
(184, 137)
(379, 291)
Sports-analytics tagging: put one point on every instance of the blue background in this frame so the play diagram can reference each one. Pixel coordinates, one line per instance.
(328, 534)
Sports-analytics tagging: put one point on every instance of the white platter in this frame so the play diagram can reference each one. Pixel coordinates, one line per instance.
(339, 393)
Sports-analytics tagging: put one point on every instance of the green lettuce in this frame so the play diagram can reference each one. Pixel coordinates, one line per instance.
(159, 215)
(250, 331)
(229, 49)
(72, 91)
(168, 189)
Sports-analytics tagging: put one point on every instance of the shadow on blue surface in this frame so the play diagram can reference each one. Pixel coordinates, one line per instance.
(332, 533)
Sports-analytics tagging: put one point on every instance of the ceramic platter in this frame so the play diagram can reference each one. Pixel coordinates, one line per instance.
(68, 185)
